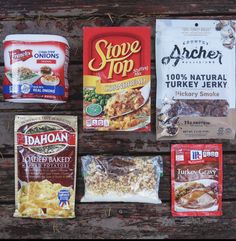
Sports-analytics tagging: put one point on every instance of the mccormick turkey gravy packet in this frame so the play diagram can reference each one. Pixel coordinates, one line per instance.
(195, 64)
(45, 166)
(117, 81)
(196, 179)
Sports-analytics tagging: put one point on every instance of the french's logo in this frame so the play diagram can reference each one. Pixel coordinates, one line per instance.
(20, 55)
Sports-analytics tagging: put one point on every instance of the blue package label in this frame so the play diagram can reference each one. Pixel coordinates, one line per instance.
(34, 89)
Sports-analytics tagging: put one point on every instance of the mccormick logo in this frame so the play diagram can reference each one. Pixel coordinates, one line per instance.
(195, 155)
(116, 56)
(20, 55)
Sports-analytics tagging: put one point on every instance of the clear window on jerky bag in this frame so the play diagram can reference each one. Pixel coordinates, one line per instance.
(122, 178)
(195, 66)
(196, 179)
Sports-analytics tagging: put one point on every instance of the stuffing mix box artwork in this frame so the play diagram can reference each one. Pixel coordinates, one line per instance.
(117, 79)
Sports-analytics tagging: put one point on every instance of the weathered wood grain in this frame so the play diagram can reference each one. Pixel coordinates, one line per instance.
(99, 142)
(67, 18)
(7, 179)
(90, 8)
(106, 221)
(71, 29)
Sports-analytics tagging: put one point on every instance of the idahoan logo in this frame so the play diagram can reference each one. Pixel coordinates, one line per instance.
(116, 56)
(46, 138)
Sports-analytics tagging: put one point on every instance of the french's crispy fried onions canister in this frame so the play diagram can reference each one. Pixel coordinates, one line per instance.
(35, 68)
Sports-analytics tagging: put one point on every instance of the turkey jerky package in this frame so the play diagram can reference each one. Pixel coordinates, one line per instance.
(195, 64)
(122, 179)
(196, 179)
(45, 166)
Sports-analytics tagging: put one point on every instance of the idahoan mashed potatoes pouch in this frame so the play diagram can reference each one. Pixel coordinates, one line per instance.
(45, 166)
(117, 81)
(195, 64)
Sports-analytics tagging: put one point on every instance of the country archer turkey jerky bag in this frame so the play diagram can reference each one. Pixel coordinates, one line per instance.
(195, 64)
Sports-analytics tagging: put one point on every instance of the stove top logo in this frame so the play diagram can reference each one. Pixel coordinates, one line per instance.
(194, 54)
(195, 155)
(117, 57)
(18, 55)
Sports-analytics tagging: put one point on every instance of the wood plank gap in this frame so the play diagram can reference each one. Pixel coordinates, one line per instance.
(207, 14)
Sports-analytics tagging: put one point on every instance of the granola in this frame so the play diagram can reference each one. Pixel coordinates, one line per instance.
(120, 178)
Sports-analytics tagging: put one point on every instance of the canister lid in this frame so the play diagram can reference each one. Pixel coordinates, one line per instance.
(36, 38)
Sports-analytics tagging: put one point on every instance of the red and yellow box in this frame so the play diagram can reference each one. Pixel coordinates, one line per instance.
(117, 79)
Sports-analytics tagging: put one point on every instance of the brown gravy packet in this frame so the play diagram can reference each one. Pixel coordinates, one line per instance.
(195, 64)
(45, 166)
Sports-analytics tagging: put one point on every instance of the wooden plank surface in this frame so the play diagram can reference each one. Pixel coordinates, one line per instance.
(98, 142)
(108, 220)
(121, 221)
(229, 187)
(91, 8)
(72, 29)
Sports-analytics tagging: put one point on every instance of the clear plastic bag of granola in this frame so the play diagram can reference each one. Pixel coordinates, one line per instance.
(122, 178)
